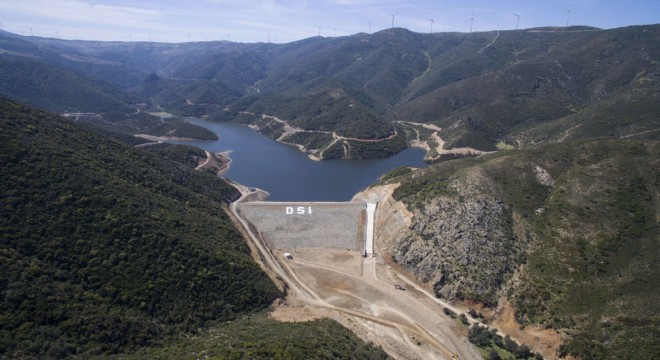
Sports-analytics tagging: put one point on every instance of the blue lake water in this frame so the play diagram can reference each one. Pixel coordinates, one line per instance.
(287, 174)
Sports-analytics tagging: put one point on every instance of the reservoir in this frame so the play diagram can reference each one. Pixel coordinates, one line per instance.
(287, 174)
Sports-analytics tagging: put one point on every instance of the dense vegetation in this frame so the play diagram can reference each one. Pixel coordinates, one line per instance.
(57, 89)
(143, 123)
(196, 97)
(587, 233)
(106, 248)
(184, 154)
(257, 337)
(496, 347)
(337, 111)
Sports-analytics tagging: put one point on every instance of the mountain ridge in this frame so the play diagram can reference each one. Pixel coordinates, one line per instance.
(481, 88)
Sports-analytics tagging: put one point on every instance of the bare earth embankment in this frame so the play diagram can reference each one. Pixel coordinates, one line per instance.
(358, 292)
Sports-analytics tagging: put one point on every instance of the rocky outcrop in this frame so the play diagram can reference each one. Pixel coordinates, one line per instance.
(466, 243)
(543, 176)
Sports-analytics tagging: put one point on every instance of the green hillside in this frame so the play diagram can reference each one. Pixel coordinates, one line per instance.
(189, 97)
(106, 249)
(60, 54)
(568, 232)
(520, 87)
(57, 89)
(144, 123)
(257, 337)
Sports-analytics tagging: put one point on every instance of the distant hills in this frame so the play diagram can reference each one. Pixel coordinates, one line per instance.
(518, 87)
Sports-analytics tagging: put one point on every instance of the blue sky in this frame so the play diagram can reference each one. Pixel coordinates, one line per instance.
(290, 20)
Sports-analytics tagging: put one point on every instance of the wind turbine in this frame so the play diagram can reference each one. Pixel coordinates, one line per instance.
(369, 26)
(471, 20)
(517, 20)
(568, 14)
(392, 20)
(319, 30)
(31, 33)
(2, 27)
(432, 22)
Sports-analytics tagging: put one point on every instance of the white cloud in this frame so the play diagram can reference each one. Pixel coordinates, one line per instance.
(81, 11)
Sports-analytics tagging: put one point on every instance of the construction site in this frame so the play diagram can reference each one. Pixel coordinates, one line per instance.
(322, 256)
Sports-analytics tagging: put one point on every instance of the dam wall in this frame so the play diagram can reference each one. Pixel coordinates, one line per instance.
(290, 225)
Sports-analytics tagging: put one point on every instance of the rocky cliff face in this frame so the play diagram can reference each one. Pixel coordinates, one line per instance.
(463, 242)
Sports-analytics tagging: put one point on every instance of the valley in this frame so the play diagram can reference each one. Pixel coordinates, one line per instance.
(515, 177)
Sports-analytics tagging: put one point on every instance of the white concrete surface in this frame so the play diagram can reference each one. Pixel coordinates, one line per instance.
(369, 242)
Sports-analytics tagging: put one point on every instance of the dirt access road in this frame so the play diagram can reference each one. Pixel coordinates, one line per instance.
(360, 293)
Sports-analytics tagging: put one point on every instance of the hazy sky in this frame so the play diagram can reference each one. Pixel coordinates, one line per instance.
(290, 20)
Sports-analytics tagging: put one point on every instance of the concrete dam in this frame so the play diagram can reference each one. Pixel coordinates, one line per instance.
(291, 225)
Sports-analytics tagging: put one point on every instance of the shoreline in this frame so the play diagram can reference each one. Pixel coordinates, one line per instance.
(163, 138)
(226, 162)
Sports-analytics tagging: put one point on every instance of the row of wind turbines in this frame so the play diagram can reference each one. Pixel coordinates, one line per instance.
(472, 20)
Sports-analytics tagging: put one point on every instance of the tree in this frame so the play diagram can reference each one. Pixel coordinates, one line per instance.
(493, 355)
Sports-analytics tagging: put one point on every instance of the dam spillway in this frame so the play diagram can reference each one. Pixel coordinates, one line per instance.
(291, 225)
